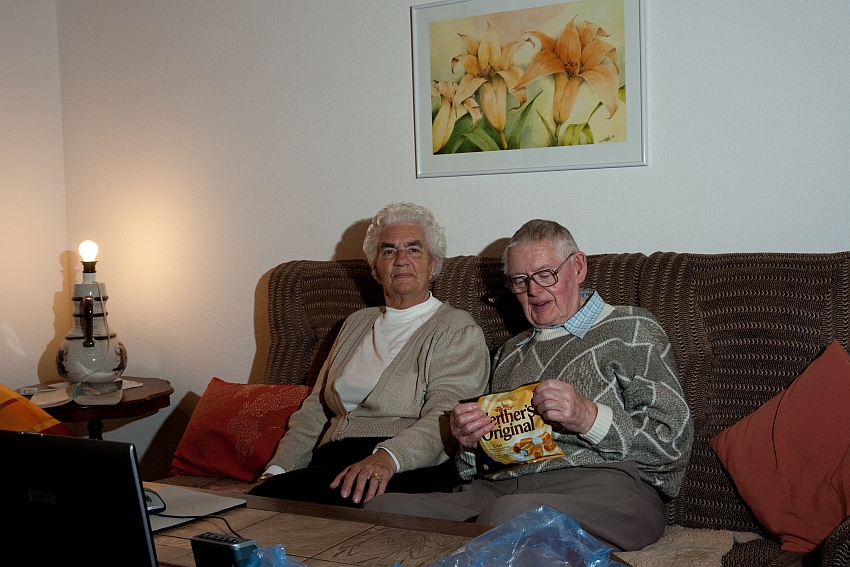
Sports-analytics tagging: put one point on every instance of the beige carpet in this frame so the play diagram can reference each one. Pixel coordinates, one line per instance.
(687, 546)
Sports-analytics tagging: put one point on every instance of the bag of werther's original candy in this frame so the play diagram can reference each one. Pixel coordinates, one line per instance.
(519, 435)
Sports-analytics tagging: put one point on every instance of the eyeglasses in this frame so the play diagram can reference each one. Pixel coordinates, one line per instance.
(543, 278)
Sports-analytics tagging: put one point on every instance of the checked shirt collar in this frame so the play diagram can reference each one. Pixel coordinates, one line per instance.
(580, 323)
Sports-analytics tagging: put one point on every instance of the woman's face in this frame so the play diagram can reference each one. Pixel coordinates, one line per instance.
(404, 265)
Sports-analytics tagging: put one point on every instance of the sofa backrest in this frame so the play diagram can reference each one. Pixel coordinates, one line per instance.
(307, 301)
(742, 327)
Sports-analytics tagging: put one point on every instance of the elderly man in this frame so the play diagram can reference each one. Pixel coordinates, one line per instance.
(608, 387)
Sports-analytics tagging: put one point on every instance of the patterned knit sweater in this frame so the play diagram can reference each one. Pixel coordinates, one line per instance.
(624, 362)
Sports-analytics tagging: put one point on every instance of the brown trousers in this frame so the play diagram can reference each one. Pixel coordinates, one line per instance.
(608, 501)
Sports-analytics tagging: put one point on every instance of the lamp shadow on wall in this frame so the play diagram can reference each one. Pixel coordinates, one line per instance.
(62, 318)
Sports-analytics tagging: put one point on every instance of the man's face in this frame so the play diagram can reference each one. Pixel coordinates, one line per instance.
(554, 305)
(404, 265)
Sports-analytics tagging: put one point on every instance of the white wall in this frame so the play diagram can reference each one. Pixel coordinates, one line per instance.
(208, 140)
(35, 311)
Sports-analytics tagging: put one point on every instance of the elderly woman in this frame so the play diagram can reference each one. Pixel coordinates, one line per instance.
(377, 420)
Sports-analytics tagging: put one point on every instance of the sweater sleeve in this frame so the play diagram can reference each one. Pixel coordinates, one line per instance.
(305, 426)
(466, 461)
(652, 424)
(457, 365)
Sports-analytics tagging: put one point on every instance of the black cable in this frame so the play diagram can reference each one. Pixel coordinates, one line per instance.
(205, 517)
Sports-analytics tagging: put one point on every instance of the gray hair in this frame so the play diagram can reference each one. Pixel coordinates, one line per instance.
(536, 231)
(405, 213)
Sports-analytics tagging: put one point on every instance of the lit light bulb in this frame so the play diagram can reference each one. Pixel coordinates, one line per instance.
(88, 250)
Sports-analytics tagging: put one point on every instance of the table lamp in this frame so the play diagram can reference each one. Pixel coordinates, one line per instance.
(91, 351)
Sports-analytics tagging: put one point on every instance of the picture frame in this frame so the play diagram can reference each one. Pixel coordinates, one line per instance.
(487, 73)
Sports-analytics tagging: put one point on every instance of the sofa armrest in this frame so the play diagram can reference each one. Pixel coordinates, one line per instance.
(768, 553)
(836, 548)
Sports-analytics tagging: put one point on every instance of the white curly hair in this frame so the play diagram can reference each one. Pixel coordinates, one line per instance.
(405, 213)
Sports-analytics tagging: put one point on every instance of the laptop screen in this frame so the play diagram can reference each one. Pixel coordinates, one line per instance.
(73, 501)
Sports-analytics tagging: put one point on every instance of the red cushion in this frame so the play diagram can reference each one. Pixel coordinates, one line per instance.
(19, 414)
(235, 429)
(790, 459)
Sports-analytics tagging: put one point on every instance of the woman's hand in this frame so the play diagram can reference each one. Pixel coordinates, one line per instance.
(469, 423)
(558, 403)
(374, 471)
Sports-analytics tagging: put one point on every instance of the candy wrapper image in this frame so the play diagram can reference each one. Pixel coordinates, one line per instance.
(519, 435)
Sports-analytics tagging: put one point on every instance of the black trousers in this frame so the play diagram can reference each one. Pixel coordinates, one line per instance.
(312, 484)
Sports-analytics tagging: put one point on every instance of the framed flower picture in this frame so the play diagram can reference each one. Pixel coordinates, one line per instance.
(508, 86)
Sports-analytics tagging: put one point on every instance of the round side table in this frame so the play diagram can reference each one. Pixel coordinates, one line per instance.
(153, 395)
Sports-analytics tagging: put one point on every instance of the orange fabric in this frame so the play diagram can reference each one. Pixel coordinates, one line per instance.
(19, 414)
(790, 459)
(235, 429)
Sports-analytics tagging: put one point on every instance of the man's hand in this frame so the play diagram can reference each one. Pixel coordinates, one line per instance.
(558, 403)
(469, 423)
(375, 470)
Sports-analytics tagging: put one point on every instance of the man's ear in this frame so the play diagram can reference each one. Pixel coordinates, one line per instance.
(580, 267)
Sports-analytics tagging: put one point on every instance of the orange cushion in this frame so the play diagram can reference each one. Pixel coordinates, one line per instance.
(235, 429)
(790, 459)
(19, 414)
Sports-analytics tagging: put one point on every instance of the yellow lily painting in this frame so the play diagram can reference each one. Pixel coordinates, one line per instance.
(529, 78)
(489, 70)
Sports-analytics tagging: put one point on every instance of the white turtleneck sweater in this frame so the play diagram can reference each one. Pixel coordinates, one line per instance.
(378, 349)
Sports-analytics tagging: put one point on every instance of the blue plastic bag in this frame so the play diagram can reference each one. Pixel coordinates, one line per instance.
(538, 538)
(272, 556)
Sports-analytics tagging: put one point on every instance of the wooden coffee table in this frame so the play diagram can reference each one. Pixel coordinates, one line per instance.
(153, 395)
(325, 536)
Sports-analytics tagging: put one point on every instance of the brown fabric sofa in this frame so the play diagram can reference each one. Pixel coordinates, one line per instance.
(743, 327)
